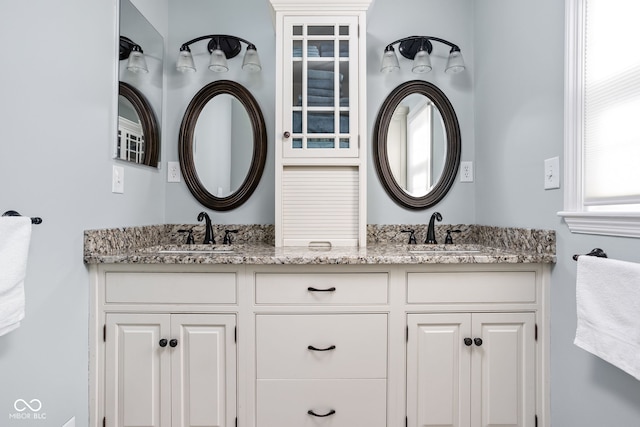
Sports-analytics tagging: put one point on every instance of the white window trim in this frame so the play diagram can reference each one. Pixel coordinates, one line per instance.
(575, 215)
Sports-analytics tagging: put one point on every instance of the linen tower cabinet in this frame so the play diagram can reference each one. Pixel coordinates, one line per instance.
(320, 122)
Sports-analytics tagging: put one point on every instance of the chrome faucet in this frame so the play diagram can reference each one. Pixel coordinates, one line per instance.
(431, 231)
(208, 229)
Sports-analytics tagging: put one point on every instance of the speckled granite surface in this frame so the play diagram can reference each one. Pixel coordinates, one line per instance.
(253, 244)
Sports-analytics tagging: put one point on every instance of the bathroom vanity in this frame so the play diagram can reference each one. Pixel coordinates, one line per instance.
(253, 335)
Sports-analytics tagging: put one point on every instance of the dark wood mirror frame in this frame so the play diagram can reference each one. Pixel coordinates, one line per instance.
(453, 143)
(185, 145)
(148, 121)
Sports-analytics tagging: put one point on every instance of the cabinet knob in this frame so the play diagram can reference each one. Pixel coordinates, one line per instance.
(287, 134)
(478, 341)
(468, 341)
(173, 342)
(331, 412)
(162, 342)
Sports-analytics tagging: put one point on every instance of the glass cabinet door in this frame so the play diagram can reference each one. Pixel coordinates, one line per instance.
(321, 89)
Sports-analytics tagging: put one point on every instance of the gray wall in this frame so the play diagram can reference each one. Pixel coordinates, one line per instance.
(510, 108)
(57, 127)
(519, 122)
(251, 20)
(451, 20)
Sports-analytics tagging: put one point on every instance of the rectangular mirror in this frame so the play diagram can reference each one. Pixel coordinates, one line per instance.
(140, 88)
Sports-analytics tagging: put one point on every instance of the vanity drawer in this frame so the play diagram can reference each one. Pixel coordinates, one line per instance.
(355, 402)
(322, 288)
(171, 288)
(283, 342)
(472, 287)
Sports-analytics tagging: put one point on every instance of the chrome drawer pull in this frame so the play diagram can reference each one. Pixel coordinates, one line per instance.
(331, 412)
(333, 347)
(312, 289)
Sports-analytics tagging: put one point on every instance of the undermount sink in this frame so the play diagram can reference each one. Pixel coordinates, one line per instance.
(442, 249)
(195, 249)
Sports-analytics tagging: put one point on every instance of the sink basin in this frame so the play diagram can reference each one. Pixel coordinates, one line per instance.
(442, 249)
(193, 249)
(444, 252)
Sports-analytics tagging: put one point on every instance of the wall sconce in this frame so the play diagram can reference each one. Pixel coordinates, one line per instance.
(133, 52)
(418, 49)
(221, 48)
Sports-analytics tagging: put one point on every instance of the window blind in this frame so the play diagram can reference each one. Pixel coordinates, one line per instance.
(611, 102)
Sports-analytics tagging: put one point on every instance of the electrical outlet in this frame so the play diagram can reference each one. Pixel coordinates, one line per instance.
(117, 180)
(466, 171)
(173, 172)
(552, 173)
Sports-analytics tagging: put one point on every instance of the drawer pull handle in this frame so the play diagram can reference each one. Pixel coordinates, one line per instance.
(468, 341)
(312, 289)
(173, 342)
(333, 347)
(477, 341)
(162, 342)
(331, 412)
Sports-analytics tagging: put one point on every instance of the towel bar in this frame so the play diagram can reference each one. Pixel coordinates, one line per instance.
(34, 220)
(597, 252)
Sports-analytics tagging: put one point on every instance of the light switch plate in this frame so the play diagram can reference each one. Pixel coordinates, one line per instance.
(552, 173)
(117, 180)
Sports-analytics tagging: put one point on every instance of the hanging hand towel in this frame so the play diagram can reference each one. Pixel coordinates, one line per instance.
(15, 235)
(608, 303)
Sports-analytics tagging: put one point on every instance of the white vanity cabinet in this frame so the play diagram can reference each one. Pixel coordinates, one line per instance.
(473, 359)
(371, 345)
(166, 354)
(320, 125)
(321, 347)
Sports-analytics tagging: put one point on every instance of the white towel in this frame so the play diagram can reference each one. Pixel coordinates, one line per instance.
(608, 302)
(15, 235)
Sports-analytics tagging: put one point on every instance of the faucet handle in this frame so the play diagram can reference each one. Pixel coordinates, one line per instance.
(448, 240)
(190, 239)
(228, 239)
(412, 236)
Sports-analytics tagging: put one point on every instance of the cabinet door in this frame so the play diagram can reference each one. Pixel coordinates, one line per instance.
(137, 376)
(438, 365)
(320, 104)
(503, 370)
(203, 370)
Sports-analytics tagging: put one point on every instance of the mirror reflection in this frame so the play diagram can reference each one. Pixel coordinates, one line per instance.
(136, 29)
(130, 134)
(416, 145)
(222, 144)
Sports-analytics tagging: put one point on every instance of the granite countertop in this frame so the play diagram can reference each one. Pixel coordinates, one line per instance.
(162, 245)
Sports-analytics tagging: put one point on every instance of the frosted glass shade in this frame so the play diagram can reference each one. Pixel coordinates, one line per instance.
(455, 63)
(185, 62)
(218, 62)
(421, 62)
(137, 63)
(389, 61)
(251, 60)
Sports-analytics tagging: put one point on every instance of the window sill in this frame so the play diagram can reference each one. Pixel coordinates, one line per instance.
(604, 223)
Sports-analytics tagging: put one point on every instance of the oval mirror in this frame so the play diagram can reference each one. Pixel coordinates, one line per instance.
(222, 145)
(138, 132)
(417, 144)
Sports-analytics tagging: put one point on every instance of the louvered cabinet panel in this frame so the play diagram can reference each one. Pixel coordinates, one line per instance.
(320, 204)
